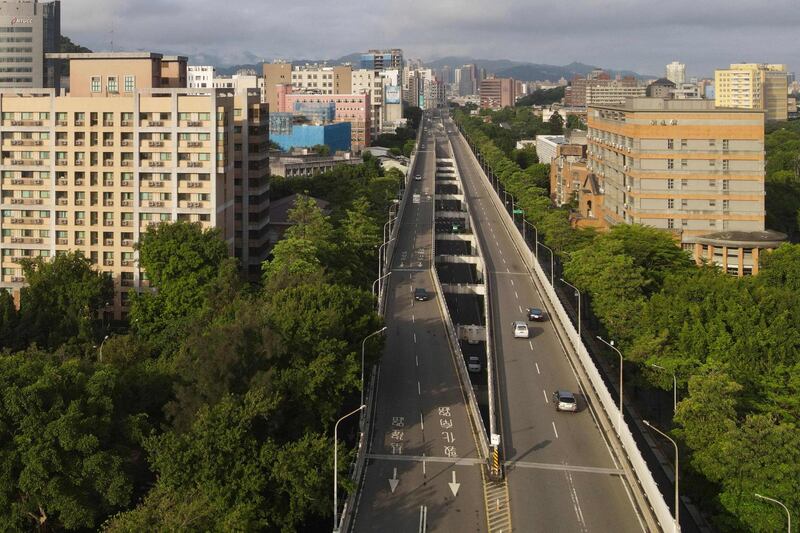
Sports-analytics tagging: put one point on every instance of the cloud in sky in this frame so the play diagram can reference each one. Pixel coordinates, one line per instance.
(640, 35)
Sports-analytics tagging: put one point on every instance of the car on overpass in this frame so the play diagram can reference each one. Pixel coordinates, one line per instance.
(565, 401)
(418, 177)
(534, 313)
(520, 329)
(421, 294)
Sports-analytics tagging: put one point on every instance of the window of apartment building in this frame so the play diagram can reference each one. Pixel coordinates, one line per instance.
(712, 184)
(712, 203)
(95, 84)
(670, 223)
(712, 223)
(684, 222)
(130, 84)
(684, 203)
(726, 205)
(712, 143)
(726, 185)
(684, 164)
(112, 85)
(726, 144)
(671, 203)
(164, 156)
(726, 164)
(684, 143)
(670, 183)
(670, 164)
(670, 144)
(712, 163)
(204, 157)
(684, 183)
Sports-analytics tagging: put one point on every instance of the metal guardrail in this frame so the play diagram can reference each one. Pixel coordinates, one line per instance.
(629, 450)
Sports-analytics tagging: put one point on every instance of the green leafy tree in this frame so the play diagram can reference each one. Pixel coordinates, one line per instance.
(70, 454)
(294, 261)
(781, 267)
(62, 301)
(408, 147)
(321, 149)
(9, 320)
(575, 123)
(556, 124)
(189, 266)
(230, 471)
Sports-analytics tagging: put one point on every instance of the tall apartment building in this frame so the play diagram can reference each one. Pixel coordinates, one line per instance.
(575, 94)
(91, 171)
(466, 79)
(676, 72)
(753, 86)
(497, 93)
(275, 75)
(352, 108)
(367, 81)
(200, 76)
(382, 59)
(687, 167)
(28, 30)
(608, 92)
(322, 79)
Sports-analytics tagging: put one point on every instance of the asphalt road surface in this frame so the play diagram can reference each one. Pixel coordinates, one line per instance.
(422, 444)
(561, 472)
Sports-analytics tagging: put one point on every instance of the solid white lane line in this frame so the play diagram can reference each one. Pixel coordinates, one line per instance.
(554, 429)
(546, 399)
(537, 369)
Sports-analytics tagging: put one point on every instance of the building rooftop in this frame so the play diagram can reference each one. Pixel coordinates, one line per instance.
(646, 103)
(752, 239)
(114, 55)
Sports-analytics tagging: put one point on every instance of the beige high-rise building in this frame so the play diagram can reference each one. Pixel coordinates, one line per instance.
(91, 171)
(322, 79)
(275, 74)
(753, 86)
(686, 167)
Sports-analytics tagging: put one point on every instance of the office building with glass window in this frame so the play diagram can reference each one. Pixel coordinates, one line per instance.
(29, 30)
(91, 171)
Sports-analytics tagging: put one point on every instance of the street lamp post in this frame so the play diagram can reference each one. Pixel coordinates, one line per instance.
(535, 237)
(788, 514)
(336, 468)
(552, 262)
(374, 283)
(390, 229)
(381, 259)
(677, 498)
(100, 355)
(363, 346)
(578, 293)
(611, 345)
(674, 386)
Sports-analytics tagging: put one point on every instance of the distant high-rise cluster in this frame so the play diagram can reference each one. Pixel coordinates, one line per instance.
(763, 87)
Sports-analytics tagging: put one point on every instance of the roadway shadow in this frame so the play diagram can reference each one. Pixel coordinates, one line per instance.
(536, 447)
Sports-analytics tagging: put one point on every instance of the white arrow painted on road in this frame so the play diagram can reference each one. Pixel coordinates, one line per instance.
(454, 486)
(394, 481)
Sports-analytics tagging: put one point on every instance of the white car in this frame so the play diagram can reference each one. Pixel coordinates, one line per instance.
(474, 364)
(417, 178)
(520, 329)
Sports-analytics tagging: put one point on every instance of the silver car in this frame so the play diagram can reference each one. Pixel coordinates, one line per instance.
(520, 329)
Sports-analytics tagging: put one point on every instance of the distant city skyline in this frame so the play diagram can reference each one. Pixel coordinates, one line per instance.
(634, 35)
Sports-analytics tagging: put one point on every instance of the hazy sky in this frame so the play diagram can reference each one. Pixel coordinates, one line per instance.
(640, 35)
